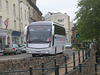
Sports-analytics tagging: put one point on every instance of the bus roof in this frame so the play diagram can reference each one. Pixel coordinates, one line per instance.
(45, 23)
(41, 23)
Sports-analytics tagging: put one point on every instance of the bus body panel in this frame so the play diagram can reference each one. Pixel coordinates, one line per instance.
(59, 43)
(39, 49)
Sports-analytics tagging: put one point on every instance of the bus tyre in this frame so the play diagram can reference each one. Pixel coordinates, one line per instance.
(33, 55)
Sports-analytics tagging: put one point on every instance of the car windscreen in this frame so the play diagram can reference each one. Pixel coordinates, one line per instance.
(39, 34)
(68, 43)
(22, 45)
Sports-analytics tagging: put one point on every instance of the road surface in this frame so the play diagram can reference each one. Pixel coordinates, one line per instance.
(24, 55)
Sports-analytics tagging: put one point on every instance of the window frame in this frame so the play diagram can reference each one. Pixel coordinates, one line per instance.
(14, 10)
(0, 5)
(7, 7)
(14, 24)
(0, 21)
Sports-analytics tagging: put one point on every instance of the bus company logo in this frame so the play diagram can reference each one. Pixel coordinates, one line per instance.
(59, 38)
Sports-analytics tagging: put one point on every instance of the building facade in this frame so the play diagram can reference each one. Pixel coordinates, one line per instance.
(34, 12)
(14, 16)
(29, 12)
(63, 19)
(74, 31)
(71, 26)
(9, 21)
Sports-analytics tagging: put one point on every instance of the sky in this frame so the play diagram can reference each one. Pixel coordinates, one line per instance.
(63, 6)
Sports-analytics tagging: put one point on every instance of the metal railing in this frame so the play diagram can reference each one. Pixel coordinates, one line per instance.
(81, 58)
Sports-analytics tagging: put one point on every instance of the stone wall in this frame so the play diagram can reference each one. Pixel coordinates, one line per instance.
(35, 62)
(91, 61)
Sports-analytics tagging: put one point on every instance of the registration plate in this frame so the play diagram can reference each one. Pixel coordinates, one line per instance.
(38, 51)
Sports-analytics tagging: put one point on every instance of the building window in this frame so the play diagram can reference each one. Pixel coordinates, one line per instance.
(14, 12)
(0, 21)
(25, 14)
(7, 7)
(14, 24)
(0, 5)
(21, 26)
(21, 13)
(29, 11)
(60, 20)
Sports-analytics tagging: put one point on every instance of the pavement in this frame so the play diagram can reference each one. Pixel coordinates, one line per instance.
(62, 70)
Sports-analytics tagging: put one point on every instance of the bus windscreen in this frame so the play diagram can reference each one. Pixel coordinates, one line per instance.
(39, 34)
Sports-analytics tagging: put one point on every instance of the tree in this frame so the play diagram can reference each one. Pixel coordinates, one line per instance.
(88, 20)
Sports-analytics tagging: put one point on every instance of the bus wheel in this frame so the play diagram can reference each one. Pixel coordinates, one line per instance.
(33, 55)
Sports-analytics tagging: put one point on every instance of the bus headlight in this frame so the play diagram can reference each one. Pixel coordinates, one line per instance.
(29, 52)
(47, 52)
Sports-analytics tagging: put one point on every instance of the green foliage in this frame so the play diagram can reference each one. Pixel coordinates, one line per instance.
(88, 20)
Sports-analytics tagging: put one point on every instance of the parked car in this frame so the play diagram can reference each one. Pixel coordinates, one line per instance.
(11, 48)
(22, 47)
(68, 45)
(1, 51)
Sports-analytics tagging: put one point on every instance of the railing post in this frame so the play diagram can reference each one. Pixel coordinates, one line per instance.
(89, 53)
(79, 55)
(80, 69)
(30, 69)
(43, 71)
(74, 66)
(57, 69)
(96, 69)
(86, 52)
(55, 66)
(83, 54)
(66, 64)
